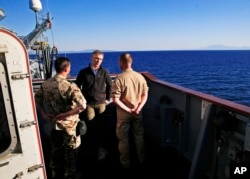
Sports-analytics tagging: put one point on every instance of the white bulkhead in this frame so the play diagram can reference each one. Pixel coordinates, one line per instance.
(20, 145)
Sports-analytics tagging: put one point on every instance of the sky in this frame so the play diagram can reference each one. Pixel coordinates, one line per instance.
(136, 24)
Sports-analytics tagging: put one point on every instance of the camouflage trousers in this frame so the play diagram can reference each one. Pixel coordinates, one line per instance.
(63, 154)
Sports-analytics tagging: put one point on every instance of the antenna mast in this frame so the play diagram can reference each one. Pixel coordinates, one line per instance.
(36, 6)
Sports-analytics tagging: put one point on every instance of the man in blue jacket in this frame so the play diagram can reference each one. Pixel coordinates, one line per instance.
(95, 83)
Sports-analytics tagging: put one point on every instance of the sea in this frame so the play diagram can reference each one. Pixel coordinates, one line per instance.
(222, 73)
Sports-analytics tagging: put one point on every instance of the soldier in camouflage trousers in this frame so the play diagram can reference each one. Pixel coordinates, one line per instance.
(60, 101)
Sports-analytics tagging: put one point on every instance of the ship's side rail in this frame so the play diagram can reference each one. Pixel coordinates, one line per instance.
(212, 133)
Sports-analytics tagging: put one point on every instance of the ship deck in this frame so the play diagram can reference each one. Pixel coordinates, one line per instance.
(161, 162)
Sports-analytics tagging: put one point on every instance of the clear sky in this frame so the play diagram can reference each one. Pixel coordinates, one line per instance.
(136, 24)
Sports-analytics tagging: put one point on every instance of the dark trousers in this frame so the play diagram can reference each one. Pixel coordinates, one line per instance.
(62, 156)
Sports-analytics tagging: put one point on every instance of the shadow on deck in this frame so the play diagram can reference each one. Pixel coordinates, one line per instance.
(160, 162)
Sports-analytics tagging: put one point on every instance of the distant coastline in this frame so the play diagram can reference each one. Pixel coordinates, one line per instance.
(201, 49)
(209, 48)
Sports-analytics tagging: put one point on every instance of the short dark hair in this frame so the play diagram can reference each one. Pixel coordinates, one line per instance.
(126, 58)
(97, 52)
(61, 63)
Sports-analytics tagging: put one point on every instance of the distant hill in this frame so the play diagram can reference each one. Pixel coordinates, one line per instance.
(224, 47)
(85, 51)
(211, 47)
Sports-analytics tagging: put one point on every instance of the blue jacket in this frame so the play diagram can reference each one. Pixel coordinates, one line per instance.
(95, 88)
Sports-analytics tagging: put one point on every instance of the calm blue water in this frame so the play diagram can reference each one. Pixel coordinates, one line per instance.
(225, 74)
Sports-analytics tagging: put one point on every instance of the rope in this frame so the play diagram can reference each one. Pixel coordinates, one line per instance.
(49, 54)
(52, 34)
(47, 5)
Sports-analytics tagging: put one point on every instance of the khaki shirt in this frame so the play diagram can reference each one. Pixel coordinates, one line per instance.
(129, 87)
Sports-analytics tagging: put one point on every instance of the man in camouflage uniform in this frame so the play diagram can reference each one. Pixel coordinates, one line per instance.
(63, 101)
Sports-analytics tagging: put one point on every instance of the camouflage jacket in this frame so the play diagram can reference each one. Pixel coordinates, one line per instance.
(59, 96)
